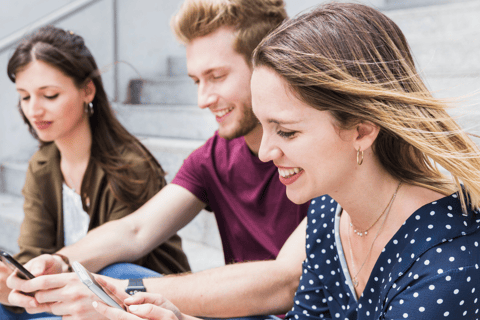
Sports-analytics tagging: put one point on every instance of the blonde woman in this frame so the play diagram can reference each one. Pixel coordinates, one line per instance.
(343, 108)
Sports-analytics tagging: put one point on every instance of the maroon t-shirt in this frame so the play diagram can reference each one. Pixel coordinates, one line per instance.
(253, 213)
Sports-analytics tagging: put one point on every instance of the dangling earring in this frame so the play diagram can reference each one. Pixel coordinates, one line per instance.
(90, 108)
(359, 157)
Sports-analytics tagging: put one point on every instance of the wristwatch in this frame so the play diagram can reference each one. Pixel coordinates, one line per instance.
(134, 286)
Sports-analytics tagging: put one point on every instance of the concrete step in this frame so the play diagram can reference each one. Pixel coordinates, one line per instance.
(11, 216)
(13, 177)
(201, 240)
(177, 66)
(169, 121)
(444, 38)
(177, 90)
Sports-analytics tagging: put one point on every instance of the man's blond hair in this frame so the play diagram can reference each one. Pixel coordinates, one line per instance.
(251, 19)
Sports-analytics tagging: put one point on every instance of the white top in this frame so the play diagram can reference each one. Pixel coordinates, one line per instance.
(75, 219)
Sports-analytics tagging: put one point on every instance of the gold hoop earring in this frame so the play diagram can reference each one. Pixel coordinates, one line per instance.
(359, 157)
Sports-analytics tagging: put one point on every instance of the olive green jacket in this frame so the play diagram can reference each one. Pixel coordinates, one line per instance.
(42, 228)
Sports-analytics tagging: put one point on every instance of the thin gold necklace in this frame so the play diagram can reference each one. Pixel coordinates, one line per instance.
(365, 232)
(387, 211)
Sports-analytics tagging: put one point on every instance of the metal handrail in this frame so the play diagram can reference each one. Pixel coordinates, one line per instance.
(59, 15)
(52, 18)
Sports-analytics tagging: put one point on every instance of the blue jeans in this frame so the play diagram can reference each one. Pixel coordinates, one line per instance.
(118, 271)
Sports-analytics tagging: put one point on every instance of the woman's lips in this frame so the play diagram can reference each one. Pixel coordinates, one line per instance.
(42, 125)
(289, 175)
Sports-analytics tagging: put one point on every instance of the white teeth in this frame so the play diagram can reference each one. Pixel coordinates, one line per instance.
(287, 173)
(222, 112)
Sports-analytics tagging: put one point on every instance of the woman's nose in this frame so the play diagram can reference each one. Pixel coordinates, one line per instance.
(268, 150)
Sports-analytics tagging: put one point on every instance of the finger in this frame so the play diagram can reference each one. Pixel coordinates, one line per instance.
(144, 297)
(112, 313)
(103, 281)
(46, 282)
(20, 299)
(153, 312)
(44, 264)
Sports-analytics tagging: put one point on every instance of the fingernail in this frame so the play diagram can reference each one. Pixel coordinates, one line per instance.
(133, 308)
(95, 304)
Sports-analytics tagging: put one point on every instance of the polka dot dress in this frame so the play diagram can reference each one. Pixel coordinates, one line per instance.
(428, 270)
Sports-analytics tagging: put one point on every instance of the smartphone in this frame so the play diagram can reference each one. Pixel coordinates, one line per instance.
(103, 293)
(15, 266)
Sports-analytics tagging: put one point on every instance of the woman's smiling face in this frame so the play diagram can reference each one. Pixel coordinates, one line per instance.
(312, 155)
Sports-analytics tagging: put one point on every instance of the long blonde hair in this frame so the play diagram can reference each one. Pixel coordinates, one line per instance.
(354, 62)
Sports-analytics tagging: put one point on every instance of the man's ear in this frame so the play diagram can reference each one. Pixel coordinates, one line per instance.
(365, 135)
(89, 90)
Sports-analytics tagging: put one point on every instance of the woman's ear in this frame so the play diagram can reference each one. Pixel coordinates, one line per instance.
(366, 133)
(89, 90)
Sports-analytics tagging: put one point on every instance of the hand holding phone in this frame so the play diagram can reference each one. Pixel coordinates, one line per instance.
(15, 266)
(103, 293)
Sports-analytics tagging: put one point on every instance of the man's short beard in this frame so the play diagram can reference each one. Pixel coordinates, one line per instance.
(246, 124)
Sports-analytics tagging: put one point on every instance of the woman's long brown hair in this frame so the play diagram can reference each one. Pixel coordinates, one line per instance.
(354, 62)
(67, 52)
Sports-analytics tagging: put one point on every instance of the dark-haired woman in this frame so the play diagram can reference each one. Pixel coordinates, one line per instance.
(88, 170)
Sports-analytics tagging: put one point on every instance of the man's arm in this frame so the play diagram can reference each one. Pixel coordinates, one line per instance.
(135, 235)
(250, 288)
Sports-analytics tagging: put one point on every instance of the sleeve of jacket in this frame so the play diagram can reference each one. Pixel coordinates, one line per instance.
(38, 231)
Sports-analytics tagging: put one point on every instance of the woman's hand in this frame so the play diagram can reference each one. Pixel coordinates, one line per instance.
(46, 264)
(142, 305)
(61, 294)
(4, 290)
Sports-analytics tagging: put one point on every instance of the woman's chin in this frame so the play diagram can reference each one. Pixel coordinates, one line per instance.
(297, 197)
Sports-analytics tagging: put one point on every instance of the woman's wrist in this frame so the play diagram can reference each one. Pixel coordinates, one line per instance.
(67, 267)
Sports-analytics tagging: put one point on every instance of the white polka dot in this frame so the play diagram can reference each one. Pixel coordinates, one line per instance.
(405, 315)
(446, 314)
(439, 250)
(431, 287)
(427, 262)
(415, 295)
(440, 301)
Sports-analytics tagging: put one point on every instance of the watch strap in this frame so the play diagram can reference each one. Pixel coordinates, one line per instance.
(134, 286)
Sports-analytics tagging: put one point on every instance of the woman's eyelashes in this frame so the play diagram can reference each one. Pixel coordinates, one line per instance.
(286, 134)
(51, 97)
